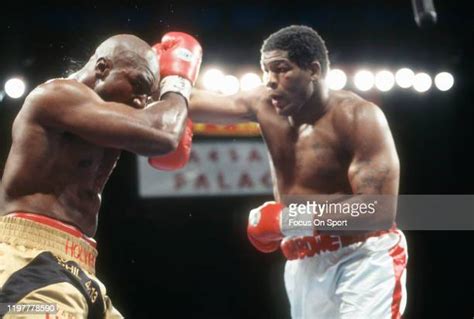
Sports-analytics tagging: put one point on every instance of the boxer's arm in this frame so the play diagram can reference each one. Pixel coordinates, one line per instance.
(375, 168)
(215, 108)
(69, 106)
(170, 113)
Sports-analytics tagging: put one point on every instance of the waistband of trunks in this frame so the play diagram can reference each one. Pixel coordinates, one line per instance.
(308, 246)
(45, 233)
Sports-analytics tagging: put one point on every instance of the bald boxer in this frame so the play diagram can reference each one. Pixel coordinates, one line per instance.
(320, 142)
(67, 139)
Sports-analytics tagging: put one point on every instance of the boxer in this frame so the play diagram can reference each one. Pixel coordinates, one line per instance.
(67, 139)
(320, 142)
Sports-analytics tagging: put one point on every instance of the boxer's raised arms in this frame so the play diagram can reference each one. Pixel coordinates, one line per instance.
(68, 106)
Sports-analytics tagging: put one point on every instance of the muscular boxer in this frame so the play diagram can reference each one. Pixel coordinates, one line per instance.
(67, 139)
(320, 142)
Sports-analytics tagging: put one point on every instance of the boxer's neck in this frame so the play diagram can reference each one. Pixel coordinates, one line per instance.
(316, 106)
(86, 76)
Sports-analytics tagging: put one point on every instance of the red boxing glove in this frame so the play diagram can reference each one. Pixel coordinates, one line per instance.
(271, 222)
(180, 59)
(179, 157)
(264, 227)
(289, 248)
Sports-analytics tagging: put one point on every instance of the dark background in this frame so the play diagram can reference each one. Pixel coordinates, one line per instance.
(190, 257)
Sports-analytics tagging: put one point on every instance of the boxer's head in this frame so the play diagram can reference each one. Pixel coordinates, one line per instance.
(124, 69)
(294, 60)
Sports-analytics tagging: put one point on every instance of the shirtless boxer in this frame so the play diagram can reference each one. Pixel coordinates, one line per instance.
(320, 142)
(67, 139)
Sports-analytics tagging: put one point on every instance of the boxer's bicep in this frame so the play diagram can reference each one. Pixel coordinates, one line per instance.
(108, 124)
(374, 176)
(209, 107)
(374, 168)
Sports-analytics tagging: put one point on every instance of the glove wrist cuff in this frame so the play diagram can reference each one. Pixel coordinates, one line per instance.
(176, 84)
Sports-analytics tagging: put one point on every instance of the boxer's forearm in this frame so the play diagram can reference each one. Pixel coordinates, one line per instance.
(207, 107)
(169, 114)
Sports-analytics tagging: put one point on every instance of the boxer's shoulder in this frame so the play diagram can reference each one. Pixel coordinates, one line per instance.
(351, 109)
(260, 99)
(255, 97)
(49, 102)
(350, 112)
(59, 88)
(252, 100)
(55, 95)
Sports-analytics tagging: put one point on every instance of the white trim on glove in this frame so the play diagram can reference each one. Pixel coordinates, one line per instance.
(176, 84)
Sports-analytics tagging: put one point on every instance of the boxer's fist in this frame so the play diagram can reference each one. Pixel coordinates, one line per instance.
(180, 59)
(179, 157)
(264, 227)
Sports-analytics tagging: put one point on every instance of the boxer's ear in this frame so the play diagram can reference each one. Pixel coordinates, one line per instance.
(315, 69)
(102, 68)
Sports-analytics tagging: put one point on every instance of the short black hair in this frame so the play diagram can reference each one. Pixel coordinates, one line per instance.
(303, 44)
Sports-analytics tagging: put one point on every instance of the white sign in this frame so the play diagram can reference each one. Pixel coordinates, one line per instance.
(214, 168)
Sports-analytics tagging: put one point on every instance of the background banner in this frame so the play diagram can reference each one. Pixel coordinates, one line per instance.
(215, 168)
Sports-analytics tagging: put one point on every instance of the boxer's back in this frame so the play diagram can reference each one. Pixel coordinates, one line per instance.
(54, 173)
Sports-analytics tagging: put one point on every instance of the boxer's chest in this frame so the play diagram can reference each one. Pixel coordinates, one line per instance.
(88, 165)
(306, 158)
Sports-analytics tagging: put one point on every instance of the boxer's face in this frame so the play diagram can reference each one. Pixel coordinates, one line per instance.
(290, 86)
(128, 84)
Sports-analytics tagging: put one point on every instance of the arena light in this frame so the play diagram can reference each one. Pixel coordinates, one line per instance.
(444, 81)
(336, 79)
(364, 80)
(404, 78)
(229, 85)
(212, 79)
(15, 88)
(384, 80)
(249, 81)
(422, 82)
